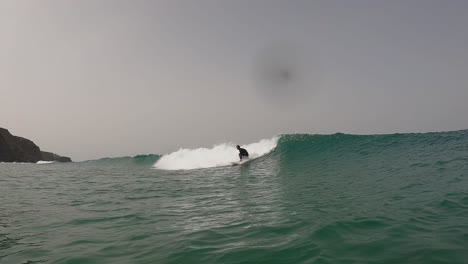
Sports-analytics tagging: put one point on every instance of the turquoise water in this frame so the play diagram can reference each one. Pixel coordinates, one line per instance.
(340, 198)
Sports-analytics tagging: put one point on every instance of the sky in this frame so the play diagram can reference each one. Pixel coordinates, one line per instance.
(91, 79)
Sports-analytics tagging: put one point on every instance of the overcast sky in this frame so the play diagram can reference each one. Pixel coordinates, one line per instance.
(91, 79)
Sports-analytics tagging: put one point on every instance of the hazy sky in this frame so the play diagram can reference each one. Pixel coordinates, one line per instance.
(90, 79)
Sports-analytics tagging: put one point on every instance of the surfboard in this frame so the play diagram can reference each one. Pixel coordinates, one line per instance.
(239, 162)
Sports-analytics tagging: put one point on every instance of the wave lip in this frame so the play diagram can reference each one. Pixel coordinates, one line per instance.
(219, 155)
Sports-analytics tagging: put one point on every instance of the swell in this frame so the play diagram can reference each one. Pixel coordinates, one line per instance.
(148, 159)
(414, 149)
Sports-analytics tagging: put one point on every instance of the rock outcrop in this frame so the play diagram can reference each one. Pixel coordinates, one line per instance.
(49, 156)
(18, 149)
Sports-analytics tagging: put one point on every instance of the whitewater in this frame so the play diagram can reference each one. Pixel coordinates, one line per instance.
(219, 155)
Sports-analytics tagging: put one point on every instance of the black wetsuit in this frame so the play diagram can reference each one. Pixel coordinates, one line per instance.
(243, 153)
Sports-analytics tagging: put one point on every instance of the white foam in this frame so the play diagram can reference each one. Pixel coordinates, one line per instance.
(219, 155)
(44, 162)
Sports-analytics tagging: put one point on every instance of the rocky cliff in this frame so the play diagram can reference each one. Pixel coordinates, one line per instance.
(18, 149)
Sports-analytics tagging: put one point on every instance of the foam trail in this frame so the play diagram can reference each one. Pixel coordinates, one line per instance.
(219, 155)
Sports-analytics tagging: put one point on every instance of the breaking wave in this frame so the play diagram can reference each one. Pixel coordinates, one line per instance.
(219, 155)
(44, 162)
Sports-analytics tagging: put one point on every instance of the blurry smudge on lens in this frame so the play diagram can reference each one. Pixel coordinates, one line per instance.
(286, 74)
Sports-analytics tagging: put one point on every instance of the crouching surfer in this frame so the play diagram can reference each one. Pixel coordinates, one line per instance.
(242, 152)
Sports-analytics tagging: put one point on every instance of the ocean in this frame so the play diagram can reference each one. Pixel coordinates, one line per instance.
(397, 198)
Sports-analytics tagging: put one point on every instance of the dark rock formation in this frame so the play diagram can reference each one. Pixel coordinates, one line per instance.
(49, 156)
(18, 149)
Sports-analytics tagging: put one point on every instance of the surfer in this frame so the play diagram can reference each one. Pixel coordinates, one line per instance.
(242, 152)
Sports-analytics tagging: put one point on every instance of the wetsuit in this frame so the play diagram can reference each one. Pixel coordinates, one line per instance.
(243, 153)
